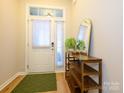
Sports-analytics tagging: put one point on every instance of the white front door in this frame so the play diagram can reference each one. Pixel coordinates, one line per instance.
(41, 45)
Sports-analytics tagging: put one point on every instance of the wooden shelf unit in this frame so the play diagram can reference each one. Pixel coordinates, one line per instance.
(78, 72)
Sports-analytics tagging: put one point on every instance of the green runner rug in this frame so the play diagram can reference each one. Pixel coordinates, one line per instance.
(37, 83)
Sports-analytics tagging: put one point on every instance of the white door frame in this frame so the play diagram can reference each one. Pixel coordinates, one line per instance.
(27, 30)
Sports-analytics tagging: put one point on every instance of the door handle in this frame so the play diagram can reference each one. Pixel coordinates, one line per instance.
(52, 46)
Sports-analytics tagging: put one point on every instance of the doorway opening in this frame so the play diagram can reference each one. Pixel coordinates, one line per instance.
(45, 39)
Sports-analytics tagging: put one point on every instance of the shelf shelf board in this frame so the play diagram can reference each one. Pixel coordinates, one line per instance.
(90, 84)
(89, 71)
(77, 78)
(74, 85)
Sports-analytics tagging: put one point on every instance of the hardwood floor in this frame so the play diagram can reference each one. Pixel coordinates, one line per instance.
(62, 86)
(12, 85)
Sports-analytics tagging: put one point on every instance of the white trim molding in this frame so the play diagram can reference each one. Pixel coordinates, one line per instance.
(22, 73)
(61, 71)
(11, 79)
(74, 1)
(28, 20)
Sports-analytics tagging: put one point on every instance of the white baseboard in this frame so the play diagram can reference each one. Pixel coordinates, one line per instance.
(22, 73)
(61, 71)
(11, 79)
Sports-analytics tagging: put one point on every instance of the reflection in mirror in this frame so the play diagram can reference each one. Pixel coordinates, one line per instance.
(84, 34)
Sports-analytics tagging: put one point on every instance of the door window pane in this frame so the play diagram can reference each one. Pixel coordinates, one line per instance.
(39, 11)
(41, 33)
(34, 11)
(58, 13)
(60, 42)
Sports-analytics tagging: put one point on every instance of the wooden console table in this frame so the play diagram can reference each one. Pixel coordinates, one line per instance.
(78, 73)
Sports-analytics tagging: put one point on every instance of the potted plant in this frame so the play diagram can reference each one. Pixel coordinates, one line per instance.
(70, 44)
(80, 45)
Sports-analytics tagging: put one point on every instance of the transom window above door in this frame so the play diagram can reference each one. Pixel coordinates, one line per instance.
(40, 11)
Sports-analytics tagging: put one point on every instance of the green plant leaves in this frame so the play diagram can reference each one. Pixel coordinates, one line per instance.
(71, 43)
(80, 45)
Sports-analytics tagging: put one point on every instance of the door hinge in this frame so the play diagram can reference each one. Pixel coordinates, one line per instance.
(28, 44)
(28, 20)
(27, 66)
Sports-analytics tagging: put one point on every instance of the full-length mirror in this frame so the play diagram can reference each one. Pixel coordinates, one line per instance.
(84, 34)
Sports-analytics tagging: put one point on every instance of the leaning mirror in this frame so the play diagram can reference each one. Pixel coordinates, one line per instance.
(84, 34)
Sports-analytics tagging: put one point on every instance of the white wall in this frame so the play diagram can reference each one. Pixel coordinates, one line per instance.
(106, 43)
(22, 33)
(107, 33)
(8, 39)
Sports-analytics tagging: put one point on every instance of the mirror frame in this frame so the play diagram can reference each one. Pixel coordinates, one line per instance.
(87, 23)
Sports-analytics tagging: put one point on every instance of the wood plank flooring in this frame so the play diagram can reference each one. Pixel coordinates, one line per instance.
(62, 86)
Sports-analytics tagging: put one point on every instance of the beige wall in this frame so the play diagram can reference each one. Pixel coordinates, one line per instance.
(107, 33)
(106, 43)
(22, 34)
(8, 41)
